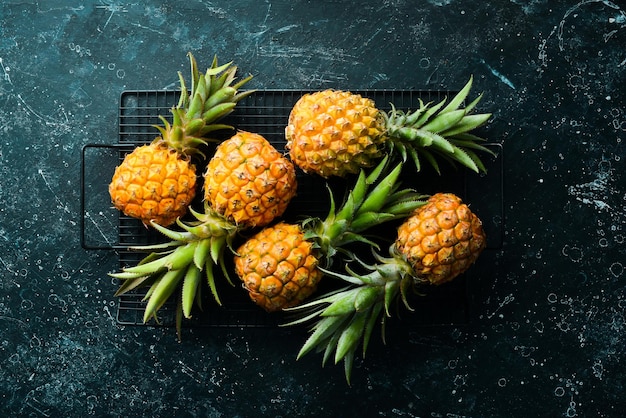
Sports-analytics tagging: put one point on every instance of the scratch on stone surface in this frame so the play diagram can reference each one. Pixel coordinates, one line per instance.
(106, 239)
(3, 235)
(331, 54)
(498, 74)
(113, 8)
(317, 79)
(11, 319)
(5, 70)
(56, 197)
(190, 372)
(286, 28)
(140, 26)
(30, 401)
(49, 121)
(366, 43)
(608, 36)
(7, 266)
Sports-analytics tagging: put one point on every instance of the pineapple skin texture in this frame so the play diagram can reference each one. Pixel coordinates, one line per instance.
(278, 267)
(248, 181)
(154, 183)
(442, 239)
(334, 133)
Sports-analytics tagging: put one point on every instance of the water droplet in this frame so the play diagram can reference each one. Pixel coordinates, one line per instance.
(616, 269)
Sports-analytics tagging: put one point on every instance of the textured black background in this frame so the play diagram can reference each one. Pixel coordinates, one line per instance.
(546, 335)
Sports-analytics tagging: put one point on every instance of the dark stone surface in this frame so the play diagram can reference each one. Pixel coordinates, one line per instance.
(547, 332)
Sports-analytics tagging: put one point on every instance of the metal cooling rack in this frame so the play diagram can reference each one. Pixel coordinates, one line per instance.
(266, 112)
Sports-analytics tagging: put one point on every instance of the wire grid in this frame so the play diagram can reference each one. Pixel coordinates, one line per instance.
(266, 112)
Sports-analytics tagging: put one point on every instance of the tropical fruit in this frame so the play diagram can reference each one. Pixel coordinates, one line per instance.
(248, 181)
(439, 241)
(278, 266)
(264, 178)
(157, 182)
(335, 133)
(282, 265)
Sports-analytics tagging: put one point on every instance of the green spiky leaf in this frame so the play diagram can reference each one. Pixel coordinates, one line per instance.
(162, 290)
(444, 121)
(191, 282)
(343, 304)
(322, 330)
(459, 98)
(208, 271)
(134, 283)
(351, 335)
(371, 324)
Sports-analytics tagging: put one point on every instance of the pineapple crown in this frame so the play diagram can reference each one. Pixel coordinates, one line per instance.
(375, 198)
(189, 253)
(347, 316)
(437, 131)
(213, 95)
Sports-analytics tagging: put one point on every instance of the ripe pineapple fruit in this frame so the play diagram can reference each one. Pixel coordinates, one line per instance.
(248, 181)
(335, 133)
(439, 241)
(281, 265)
(264, 177)
(278, 267)
(157, 182)
(442, 239)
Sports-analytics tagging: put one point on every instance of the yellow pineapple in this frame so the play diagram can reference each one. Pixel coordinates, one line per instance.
(439, 241)
(268, 182)
(334, 133)
(280, 266)
(248, 181)
(157, 182)
(154, 183)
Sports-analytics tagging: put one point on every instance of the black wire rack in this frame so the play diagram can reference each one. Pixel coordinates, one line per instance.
(266, 112)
